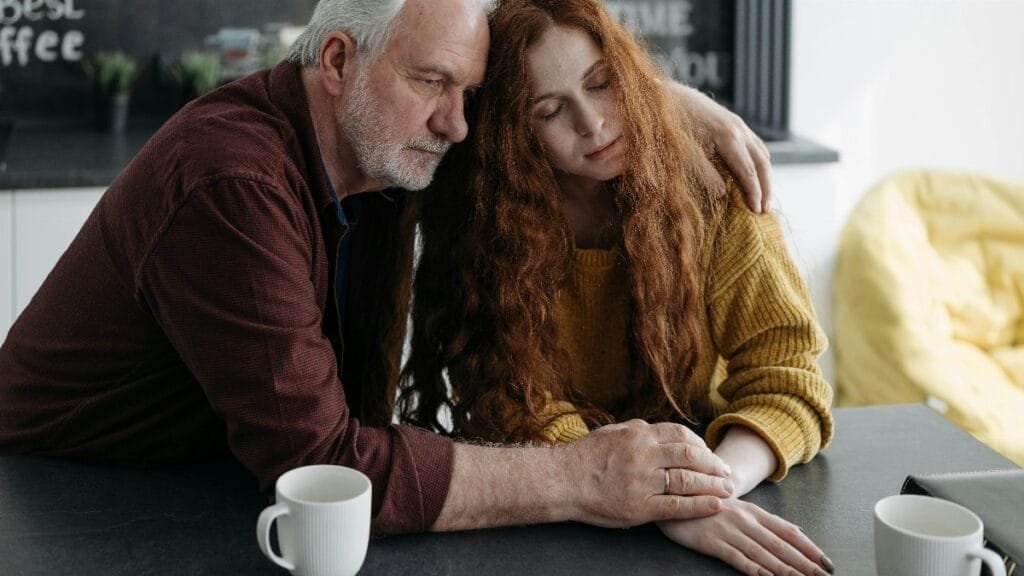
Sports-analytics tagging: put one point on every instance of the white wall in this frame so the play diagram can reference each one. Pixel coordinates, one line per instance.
(6, 262)
(805, 197)
(895, 84)
(892, 85)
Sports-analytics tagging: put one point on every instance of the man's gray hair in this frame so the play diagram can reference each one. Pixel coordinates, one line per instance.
(369, 22)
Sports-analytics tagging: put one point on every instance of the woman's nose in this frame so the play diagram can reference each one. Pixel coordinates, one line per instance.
(589, 120)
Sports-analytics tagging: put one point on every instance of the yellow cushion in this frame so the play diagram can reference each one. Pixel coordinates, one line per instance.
(929, 302)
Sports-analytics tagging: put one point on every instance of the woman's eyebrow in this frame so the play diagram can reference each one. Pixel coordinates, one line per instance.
(584, 76)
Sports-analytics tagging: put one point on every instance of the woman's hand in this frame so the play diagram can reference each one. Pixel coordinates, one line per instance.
(752, 540)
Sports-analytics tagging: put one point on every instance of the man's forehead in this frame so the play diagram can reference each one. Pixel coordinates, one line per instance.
(452, 43)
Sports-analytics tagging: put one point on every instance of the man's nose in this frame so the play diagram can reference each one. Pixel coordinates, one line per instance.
(449, 119)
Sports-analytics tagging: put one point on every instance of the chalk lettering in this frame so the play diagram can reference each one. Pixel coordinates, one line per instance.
(654, 18)
(13, 11)
(693, 68)
(32, 10)
(48, 40)
(64, 9)
(15, 44)
(10, 11)
(71, 46)
(19, 44)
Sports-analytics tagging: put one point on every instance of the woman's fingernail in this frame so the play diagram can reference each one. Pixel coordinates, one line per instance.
(729, 486)
(728, 471)
(820, 572)
(763, 572)
(827, 564)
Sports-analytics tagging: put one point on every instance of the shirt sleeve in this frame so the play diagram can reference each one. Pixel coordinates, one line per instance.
(230, 281)
(763, 325)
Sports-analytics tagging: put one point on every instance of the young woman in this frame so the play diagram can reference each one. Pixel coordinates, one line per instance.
(575, 272)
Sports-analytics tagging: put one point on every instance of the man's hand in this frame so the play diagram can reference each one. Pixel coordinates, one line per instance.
(723, 132)
(619, 476)
(752, 540)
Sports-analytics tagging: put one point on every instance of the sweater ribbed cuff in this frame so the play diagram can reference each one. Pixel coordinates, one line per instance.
(565, 428)
(781, 431)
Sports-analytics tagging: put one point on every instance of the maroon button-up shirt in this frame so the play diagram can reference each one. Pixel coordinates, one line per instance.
(194, 314)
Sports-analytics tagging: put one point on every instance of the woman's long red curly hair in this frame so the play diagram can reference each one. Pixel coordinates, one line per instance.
(496, 249)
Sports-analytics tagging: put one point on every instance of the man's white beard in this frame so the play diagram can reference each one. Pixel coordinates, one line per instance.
(365, 125)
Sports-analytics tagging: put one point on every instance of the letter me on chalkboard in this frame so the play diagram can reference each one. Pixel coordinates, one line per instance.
(20, 42)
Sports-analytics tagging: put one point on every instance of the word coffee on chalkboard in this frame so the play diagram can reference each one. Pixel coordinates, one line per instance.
(27, 33)
(678, 36)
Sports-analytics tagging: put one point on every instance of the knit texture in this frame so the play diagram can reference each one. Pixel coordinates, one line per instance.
(761, 344)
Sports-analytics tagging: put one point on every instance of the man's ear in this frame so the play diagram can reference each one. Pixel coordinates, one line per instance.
(337, 58)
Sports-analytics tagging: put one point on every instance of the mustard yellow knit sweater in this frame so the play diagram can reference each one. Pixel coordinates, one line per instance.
(763, 371)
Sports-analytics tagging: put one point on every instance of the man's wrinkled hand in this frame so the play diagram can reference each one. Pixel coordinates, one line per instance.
(634, 472)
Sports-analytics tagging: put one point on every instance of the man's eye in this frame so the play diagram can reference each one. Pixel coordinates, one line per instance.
(431, 82)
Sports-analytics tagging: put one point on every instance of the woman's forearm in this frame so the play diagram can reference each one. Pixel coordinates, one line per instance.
(750, 457)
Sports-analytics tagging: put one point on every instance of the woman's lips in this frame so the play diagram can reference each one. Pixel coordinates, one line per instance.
(606, 150)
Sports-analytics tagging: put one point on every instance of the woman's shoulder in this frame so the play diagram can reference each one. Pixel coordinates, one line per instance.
(726, 215)
(734, 236)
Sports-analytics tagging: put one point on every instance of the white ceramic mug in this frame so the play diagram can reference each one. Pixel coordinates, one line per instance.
(323, 521)
(924, 536)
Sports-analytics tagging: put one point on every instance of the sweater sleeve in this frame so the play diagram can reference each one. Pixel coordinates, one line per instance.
(230, 283)
(763, 325)
(566, 427)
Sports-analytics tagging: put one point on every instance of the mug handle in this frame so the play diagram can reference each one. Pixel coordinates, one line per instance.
(991, 559)
(267, 517)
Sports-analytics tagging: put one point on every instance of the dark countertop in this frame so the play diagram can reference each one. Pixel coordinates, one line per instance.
(49, 155)
(61, 517)
(66, 157)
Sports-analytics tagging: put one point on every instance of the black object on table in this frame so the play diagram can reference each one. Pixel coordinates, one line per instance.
(60, 517)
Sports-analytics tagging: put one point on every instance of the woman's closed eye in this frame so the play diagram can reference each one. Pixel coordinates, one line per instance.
(549, 113)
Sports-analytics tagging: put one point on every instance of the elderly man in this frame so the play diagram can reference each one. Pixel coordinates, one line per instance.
(242, 288)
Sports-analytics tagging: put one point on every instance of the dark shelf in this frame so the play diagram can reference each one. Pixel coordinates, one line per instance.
(46, 155)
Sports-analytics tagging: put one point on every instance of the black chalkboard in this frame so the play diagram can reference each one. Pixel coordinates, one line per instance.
(41, 42)
(693, 40)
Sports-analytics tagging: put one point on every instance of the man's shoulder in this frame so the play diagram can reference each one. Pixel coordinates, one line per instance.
(235, 132)
(210, 142)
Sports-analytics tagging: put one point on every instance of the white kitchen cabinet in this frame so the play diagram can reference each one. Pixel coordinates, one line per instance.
(45, 223)
(6, 262)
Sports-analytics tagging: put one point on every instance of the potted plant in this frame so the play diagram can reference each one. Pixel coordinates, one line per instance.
(198, 73)
(113, 74)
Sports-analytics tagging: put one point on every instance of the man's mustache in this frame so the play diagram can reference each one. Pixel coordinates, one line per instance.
(438, 146)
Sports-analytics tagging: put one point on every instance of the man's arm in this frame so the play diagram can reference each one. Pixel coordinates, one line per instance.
(723, 132)
(232, 284)
(613, 477)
